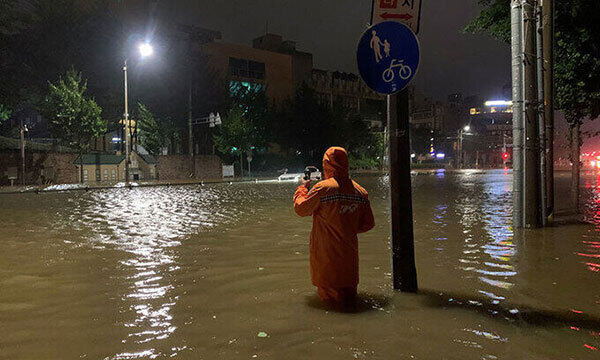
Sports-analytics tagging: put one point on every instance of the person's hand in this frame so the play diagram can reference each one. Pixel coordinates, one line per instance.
(305, 182)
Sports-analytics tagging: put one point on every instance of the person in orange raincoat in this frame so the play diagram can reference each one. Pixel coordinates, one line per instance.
(340, 209)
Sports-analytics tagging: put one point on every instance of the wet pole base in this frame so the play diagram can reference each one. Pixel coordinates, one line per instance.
(404, 271)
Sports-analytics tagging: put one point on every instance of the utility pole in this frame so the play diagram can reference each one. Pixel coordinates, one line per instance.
(517, 95)
(190, 118)
(127, 131)
(540, 109)
(548, 47)
(460, 149)
(402, 234)
(22, 131)
(532, 155)
(190, 85)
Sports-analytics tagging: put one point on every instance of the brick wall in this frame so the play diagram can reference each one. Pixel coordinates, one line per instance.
(58, 168)
(179, 167)
(208, 167)
(41, 167)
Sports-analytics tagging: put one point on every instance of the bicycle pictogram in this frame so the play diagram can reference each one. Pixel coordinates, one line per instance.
(404, 72)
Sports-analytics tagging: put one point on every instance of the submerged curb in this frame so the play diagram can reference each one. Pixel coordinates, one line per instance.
(132, 185)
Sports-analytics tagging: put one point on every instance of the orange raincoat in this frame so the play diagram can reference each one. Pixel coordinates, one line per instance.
(341, 210)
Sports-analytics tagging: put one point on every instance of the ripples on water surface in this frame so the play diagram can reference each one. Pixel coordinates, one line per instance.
(200, 271)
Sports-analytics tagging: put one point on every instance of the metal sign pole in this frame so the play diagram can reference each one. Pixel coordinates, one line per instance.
(388, 58)
(402, 235)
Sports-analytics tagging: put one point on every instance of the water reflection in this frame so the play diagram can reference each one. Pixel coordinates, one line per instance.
(590, 249)
(205, 269)
(149, 224)
(484, 212)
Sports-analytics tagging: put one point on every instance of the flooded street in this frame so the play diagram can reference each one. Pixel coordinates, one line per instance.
(221, 272)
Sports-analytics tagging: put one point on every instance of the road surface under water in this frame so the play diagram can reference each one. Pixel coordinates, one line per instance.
(221, 272)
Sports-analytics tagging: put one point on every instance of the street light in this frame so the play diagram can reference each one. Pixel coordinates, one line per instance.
(145, 51)
(22, 131)
(464, 131)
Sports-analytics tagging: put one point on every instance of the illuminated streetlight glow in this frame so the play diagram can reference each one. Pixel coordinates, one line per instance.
(467, 128)
(499, 103)
(146, 49)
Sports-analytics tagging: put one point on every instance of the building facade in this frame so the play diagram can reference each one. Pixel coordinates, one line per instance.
(250, 66)
(109, 168)
(491, 126)
(302, 62)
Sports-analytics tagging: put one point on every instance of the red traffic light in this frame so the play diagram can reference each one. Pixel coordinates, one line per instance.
(505, 156)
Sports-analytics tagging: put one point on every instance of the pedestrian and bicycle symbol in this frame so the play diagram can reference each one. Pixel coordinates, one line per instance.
(388, 57)
(404, 71)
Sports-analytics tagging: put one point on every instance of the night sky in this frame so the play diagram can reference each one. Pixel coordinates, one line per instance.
(451, 60)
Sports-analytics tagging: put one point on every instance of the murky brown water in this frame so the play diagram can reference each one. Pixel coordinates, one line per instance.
(199, 272)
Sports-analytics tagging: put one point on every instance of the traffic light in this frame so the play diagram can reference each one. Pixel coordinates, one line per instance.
(505, 156)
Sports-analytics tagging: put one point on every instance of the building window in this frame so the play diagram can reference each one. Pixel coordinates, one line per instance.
(246, 68)
(105, 174)
(113, 175)
(236, 86)
(85, 175)
(98, 178)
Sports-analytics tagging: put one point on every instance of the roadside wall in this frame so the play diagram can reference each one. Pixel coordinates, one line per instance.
(41, 167)
(57, 168)
(180, 167)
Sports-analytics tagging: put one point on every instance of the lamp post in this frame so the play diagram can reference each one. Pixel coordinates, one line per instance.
(461, 133)
(145, 51)
(23, 130)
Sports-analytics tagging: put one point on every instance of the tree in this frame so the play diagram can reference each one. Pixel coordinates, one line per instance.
(245, 128)
(303, 126)
(253, 101)
(235, 135)
(154, 133)
(5, 113)
(149, 132)
(46, 38)
(73, 118)
(420, 139)
(577, 61)
(350, 129)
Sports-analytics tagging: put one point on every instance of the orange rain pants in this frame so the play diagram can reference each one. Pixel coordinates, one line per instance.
(340, 209)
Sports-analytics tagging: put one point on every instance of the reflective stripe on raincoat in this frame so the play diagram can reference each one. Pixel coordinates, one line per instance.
(341, 210)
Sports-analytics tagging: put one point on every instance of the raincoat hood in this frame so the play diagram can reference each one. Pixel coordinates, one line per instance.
(335, 163)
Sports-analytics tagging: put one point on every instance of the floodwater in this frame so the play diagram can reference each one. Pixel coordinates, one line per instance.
(221, 272)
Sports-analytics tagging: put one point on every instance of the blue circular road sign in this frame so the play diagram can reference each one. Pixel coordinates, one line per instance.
(388, 57)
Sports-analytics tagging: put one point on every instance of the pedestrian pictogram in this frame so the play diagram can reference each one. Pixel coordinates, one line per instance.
(388, 57)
